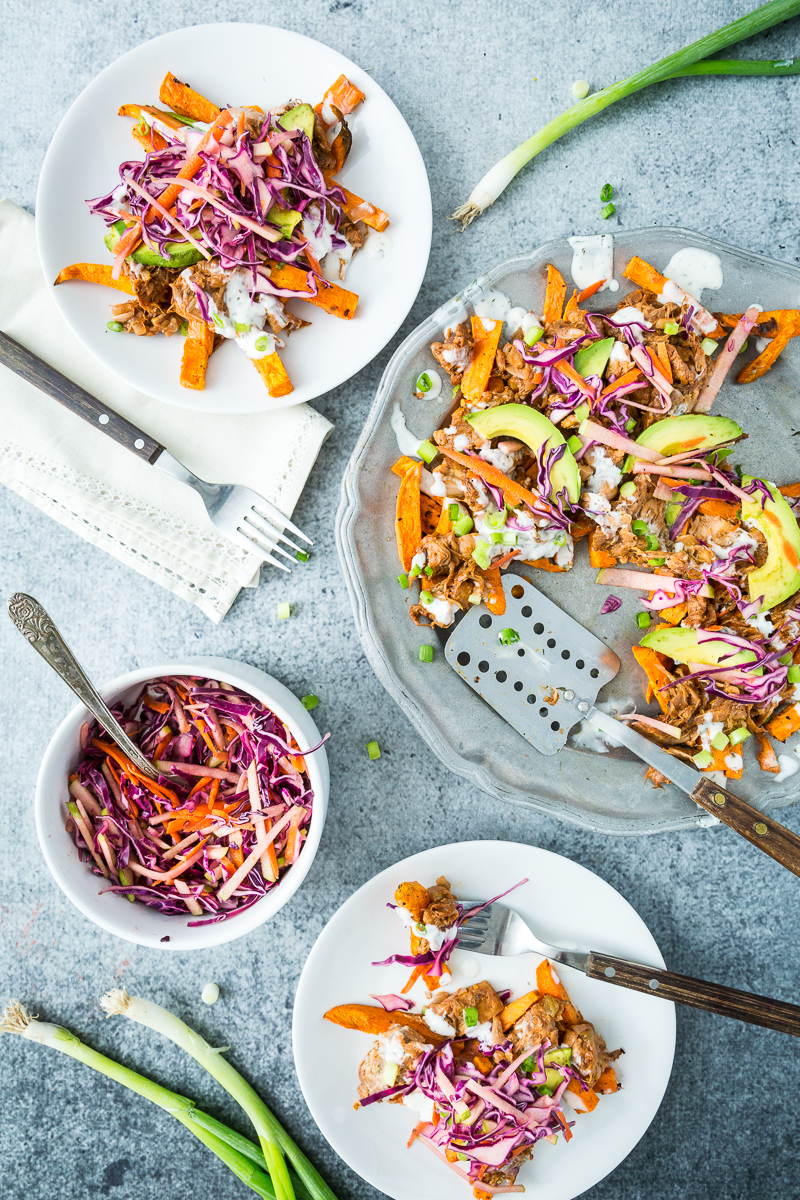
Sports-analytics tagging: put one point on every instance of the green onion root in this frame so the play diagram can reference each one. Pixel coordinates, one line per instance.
(683, 62)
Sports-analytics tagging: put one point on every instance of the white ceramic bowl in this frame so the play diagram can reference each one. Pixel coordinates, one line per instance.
(136, 922)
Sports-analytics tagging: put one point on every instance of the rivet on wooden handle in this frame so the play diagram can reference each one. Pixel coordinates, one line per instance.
(759, 828)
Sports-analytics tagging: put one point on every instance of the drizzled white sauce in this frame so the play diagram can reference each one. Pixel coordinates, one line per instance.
(245, 320)
(592, 259)
(708, 729)
(619, 359)
(435, 390)
(432, 483)
(789, 765)
(762, 623)
(420, 1103)
(457, 318)
(334, 265)
(734, 761)
(589, 737)
(437, 1024)
(497, 457)
(378, 245)
(442, 611)
(695, 271)
(491, 306)
(607, 475)
(392, 1050)
(407, 442)
(631, 316)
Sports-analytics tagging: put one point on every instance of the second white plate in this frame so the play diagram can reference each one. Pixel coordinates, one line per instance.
(566, 905)
(235, 64)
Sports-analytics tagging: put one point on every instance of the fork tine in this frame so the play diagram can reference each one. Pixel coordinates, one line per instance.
(269, 528)
(275, 516)
(265, 536)
(245, 536)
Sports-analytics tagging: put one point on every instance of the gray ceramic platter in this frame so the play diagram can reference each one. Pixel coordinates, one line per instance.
(606, 792)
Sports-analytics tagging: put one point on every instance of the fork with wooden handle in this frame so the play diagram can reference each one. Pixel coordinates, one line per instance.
(498, 930)
(237, 512)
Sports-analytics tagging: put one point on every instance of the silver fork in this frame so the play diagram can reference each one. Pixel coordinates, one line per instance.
(237, 512)
(500, 931)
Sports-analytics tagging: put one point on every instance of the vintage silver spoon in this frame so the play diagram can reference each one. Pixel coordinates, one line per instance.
(36, 625)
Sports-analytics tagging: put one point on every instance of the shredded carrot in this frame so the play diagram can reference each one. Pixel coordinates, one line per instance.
(555, 292)
(663, 357)
(571, 308)
(590, 290)
(567, 369)
(630, 376)
(563, 1120)
(514, 491)
(419, 969)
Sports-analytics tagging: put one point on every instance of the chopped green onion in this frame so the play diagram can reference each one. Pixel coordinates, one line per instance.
(495, 520)
(429, 571)
(310, 701)
(456, 390)
(508, 637)
(262, 343)
(454, 511)
(671, 328)
(606, 192)
(284, 611)
(403, 580)
(533, 335)
(373, 750)
(426, 654)
(481, 554)
(529, 1066)
(639, 527)
(608, 211)
(628, 489)
(582, 412)
(582, 426)
(580, 90)
(509, 538)
(497, 539)
(745, 344)
(475, 598)
(793, 675)
(470, 1017)
(427, 451)
(708, 346)
(574, 443)
(126, 879)
(630, 424)
(425, 596)
(739, 735)
(720, 741)
(415, 571)
(463, 525)
(656, 562)
(424, 382)
(302, 556)
(560, 539)
(688, 61)
(651, 542)
(785, 659)
(114, 326)
(184, 329)
(643, 620)
(240, 327)
(702, 759)
(218, 320)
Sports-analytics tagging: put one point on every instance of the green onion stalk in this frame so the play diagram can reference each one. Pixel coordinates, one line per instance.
(240, 1155)
(273, 1137)
(686, 62)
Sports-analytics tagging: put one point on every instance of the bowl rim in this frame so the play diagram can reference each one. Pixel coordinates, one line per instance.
(270, 692)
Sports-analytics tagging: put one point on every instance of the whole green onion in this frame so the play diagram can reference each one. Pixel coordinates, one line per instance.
(688, 61)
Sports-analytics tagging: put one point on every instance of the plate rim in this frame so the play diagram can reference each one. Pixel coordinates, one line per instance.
(476, 844)
(348, 510)
(423, 219)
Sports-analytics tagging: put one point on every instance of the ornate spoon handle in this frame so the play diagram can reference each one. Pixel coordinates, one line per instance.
(35, 624)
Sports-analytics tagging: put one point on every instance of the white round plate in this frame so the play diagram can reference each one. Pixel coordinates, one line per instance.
(234, 64)
(566, 905)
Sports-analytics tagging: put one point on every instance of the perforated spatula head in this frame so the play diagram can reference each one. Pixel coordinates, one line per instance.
(545, 682)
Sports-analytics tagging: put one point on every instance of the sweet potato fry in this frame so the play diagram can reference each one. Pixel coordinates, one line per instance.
(654, 669)
(430, 511)
(719, 508)
(496, 601)
(186, 101)
(790, 489)
(408, 520)
(196, 352)
(362, 210)
(582, 1099)
(274, 374)
(543, 564)
(785, 724)
(607, 1083)
(759, 366)
(140, 110)
(554, 294)
(333, 299)
(95, 273)
(645, 276)
(485, 343)
(675, 613)
(344, 94)
(149, 139)
(414, 897)
(517, 1008)
(548, 982)
(599, 558)
(514, 492)
(402, 465)
(571, 309)
(366, 1019)
(767, 758)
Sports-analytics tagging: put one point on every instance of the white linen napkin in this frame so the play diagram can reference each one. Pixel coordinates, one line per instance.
(112, 498)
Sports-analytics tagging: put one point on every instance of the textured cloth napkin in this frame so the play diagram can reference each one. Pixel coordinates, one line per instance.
(108, 495)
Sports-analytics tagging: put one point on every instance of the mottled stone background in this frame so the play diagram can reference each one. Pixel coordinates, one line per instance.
(472, 79)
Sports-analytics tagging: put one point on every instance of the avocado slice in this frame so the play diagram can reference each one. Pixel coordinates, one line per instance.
(284, 218)
(682, 646)
(561, 1056)
(692, 431)
(181, 254)
(779, 577)
(534, 429)
(591, 360)
(299, 117)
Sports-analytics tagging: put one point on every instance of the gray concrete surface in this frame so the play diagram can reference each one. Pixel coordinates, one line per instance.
(472, 80)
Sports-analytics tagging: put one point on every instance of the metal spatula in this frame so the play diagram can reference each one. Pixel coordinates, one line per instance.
(548, 680)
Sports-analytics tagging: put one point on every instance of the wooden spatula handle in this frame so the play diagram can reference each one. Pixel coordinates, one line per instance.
(697, 993)
(759, 828)
(50, 381)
